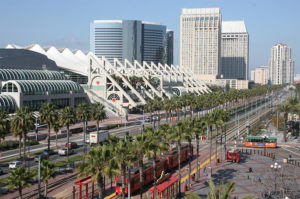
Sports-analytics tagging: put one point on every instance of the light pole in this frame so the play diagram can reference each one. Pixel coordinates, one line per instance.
(275, 167)
(39, 178)
(36, 124)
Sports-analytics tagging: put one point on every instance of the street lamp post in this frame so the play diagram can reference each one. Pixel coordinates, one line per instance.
(39, 178)
(36, 124)
(248, 127)
(275, 167)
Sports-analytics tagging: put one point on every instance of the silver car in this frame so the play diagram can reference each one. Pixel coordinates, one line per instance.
(64, 151)
(14, 164)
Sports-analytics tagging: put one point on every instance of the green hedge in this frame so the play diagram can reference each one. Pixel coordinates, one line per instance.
(13, 144)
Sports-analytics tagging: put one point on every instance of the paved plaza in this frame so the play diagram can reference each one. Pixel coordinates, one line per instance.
(260, 180)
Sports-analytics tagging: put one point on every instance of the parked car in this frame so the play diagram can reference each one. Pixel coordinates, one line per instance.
(43, 156)
(14, 164)
(64, 151)
(50, 152)
(155, 118)
(147, 119)
(71, 145)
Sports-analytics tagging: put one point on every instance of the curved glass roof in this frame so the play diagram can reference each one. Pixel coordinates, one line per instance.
(38, 87)
(13, 74)
(7, 103)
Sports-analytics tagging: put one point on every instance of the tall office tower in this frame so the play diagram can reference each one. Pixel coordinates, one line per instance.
(234, 50)
(170, 47)
(260, 75)
(128, 39)
(200, 42)
(154, 42)
(281, 65)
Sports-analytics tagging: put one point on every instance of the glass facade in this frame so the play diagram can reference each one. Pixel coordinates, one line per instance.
(37, 87)
(7, 103)
(128, 39)
(13, 74)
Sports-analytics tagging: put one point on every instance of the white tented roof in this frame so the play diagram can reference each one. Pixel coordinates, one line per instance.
(233, 27)
(75, 61)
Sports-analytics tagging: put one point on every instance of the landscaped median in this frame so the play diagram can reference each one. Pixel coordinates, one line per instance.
(60, 166)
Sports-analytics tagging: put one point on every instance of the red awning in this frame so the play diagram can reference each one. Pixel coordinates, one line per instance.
(83, 181)
(161, 187)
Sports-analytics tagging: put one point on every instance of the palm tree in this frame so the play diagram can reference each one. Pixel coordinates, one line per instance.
(163, 130)
(141, 145)
(48, 115)
(99, 162)
(176, 135)
(188, 136)
(22, 122)
(123, 153)
(285, 108)
(56, 126)
(154, 147)
(19, 178)
(98, 113)
(3, 124)
(224, 117)
(83, 113)
(219, 193)
(199, 129)
(211, 120)
(66, 118)
(47, 172)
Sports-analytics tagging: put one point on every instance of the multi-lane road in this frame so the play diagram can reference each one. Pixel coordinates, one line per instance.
(252, 115)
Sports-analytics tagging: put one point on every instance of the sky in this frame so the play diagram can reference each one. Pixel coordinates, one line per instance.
(65, 23)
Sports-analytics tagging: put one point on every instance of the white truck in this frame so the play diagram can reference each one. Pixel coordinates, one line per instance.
(98, 138)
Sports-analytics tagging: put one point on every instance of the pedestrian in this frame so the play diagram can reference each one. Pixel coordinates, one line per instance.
(205, 171)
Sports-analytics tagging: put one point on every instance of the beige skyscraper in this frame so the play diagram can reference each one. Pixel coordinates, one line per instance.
(281, 65)
(260, 75)
(200, 41)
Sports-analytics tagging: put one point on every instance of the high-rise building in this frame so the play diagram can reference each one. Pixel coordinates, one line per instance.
(281, 65)
(170, 47)
(235, 50)
(153, 42)
(260, 75)
(200, 42)
(128, 39)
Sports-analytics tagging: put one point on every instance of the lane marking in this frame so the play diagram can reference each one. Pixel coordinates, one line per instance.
(200, 166)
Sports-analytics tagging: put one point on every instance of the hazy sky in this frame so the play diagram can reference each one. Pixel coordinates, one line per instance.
(65, 23)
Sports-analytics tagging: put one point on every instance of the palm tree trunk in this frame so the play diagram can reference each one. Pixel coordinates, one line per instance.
(20, 192)
(46, 188)
(68, 140)
(24, 148)
(123, 180)
(100, 187)
(97, 126)
(141, 170)
(190, 160)
(197, 140)
(217, 128)
(179, 167)
(210, 147)
(154, 172)
(20, 146)
(49, 138)
(56, 139)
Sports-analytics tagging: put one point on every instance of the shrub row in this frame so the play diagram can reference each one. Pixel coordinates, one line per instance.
(13, 144)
